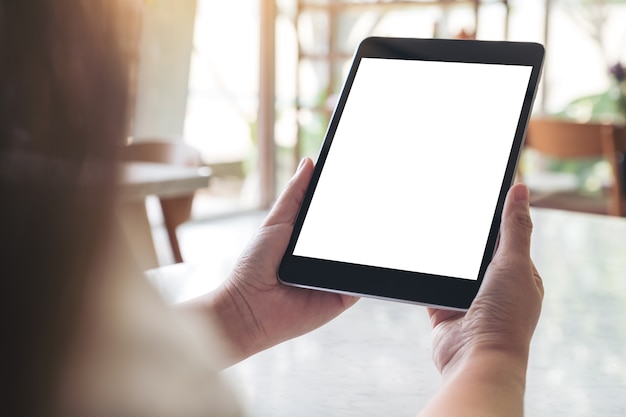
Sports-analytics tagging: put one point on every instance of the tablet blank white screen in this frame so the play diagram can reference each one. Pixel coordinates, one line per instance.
(412, 177)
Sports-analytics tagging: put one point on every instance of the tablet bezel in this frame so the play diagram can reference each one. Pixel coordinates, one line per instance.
(397, 285)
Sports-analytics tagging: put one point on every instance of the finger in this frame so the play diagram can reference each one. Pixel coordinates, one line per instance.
(517, 226)
(538, 280)
(438, 316)
(286, 207)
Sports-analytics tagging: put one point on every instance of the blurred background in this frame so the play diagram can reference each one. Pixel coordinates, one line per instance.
(251, 83)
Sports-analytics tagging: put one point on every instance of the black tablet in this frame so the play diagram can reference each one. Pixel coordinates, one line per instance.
(408, 189)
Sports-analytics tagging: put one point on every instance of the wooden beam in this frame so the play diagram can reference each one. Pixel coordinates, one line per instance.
(266, 111)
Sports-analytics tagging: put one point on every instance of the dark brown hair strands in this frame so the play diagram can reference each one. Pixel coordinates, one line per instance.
(63, 113)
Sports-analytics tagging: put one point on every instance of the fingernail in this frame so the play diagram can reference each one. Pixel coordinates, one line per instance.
(302, 161)
(522, 195)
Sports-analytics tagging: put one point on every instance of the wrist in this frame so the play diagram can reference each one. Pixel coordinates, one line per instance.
(510, 349)
(229, 312)
(491, 365)
(497, 379)
(485, 382)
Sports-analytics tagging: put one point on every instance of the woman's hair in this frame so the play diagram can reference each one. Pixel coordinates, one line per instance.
(64, 73)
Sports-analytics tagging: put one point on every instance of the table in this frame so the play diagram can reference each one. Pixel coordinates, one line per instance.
(375, 359)
(141, 179)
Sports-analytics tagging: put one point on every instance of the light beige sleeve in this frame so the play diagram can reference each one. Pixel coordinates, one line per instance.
(136, 356)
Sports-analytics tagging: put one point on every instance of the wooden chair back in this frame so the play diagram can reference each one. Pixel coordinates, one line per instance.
(564, 139)
(163, 151)
(176, 210)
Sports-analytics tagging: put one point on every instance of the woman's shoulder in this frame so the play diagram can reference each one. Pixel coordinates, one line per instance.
(135, 355)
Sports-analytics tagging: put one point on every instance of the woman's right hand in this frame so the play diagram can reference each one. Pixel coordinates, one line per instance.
(482, 354)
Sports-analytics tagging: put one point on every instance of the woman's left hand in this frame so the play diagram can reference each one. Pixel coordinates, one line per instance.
(252, 308)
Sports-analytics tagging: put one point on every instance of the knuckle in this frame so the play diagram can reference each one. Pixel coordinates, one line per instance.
(521, 220)
(539, 283)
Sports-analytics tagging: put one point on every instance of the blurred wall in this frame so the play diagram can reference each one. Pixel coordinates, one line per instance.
(163, 72)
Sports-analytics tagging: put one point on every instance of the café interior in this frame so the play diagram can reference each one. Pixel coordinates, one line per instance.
(248, 90)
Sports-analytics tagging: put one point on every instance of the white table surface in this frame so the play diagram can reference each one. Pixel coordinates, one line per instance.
(374, 360)
(140, 179)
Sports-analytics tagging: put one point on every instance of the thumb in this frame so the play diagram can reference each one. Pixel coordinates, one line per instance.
(516, 227)
(286, 207)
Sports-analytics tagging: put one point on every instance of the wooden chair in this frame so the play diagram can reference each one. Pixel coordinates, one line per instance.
(176, 210)
(562, 139)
